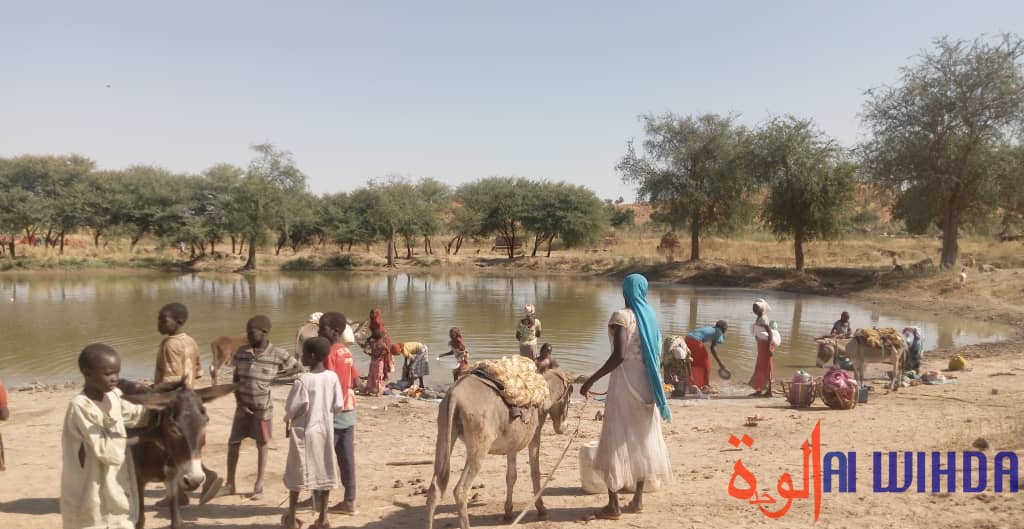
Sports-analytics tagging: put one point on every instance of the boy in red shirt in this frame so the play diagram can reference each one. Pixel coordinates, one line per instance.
(332, 327)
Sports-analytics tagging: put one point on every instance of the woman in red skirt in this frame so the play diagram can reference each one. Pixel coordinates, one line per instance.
(761, 381)
(700, 370)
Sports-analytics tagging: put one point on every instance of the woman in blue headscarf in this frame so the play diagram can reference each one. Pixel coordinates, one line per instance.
(632, 450)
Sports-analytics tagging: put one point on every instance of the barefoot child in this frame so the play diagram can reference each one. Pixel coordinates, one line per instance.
(333, 327)
(178, 359)
(256, 366)
(97, 481)
(458, 348)
(310, 408)
(545, 361)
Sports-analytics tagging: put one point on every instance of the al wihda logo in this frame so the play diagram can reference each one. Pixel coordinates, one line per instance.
(921, 470)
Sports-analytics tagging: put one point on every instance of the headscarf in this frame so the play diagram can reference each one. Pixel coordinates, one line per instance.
(765, 307)
(315, 317)
(634, 289)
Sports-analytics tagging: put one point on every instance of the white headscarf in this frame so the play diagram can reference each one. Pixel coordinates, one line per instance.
(315, 317)
(530, 310)
(765, 307)
(348, 336)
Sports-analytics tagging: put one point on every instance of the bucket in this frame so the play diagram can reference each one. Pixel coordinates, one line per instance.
(592, 483)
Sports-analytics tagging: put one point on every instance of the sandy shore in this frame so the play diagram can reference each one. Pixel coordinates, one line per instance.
(986, 402)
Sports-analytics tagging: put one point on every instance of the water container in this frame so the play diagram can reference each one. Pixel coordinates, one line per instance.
(862, 395)
(592, 483)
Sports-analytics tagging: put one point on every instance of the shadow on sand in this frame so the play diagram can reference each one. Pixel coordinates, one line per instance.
(32, 506)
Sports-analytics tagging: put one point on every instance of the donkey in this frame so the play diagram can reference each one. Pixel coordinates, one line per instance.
(222, 350)
(474, 412)
(861, 354)
(169, 448)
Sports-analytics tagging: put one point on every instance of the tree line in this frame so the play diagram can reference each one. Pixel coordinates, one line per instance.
(46, 198)
(946, 139)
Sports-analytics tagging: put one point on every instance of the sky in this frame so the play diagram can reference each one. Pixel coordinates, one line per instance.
(450, 90)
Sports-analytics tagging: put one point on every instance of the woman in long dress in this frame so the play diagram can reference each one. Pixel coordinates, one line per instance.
(761, 381)
(632, 449)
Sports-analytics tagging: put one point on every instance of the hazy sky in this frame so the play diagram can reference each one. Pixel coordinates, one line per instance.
(450, 90)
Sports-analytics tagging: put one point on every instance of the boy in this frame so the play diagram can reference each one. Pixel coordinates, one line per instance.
(256, 366)
(545, 361)
(178, 359)
(97, 482)
(332, 327)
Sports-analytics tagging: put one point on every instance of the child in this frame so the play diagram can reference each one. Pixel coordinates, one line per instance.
(310, 408)
(417, 363)
(97, 481)
(378, 346)
(458, 348)
(178, 359)
(256, 366)
(545, 361)
(333, 327)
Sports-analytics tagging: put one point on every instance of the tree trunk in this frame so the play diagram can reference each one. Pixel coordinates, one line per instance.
(550, 238)
(241, 246)
(61, 242)
(10, 247)
(950, 242)
(798, 248)
(536, 244)
(250, 264)
(212, 249)
(96, 239)
(232, 244)
(408, 248)
(391, 248)
(511, 241)
(458, 244)
(350, 245)
(49, 240)
(695, 238)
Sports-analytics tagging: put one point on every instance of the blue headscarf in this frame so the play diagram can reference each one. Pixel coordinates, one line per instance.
(634, 289)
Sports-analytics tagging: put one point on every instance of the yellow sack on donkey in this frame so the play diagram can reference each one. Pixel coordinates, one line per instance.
(524, 386)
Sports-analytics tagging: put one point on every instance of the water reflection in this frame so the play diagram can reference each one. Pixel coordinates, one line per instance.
(52, 316)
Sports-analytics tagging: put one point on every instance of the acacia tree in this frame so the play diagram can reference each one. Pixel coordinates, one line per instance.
(691, 171)
(499, 205)
(270, 176)
(809, 181)
(935, 134)
(572, 213)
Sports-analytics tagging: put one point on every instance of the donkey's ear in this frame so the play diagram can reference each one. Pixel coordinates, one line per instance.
(215, 392)
(152, 401)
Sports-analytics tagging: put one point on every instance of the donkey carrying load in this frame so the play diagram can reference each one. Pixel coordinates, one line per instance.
(884, 345)
(476, 410)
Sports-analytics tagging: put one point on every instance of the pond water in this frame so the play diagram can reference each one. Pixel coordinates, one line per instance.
(46, 318)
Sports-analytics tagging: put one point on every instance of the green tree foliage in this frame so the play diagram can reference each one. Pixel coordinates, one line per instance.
(572, 213)
(809, 181)
(691, 170)
(620, 217)
(54, 183)
(937, 136)
(498, 205)
(271, 181)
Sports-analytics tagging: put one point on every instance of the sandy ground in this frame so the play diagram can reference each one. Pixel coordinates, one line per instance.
(987, 402)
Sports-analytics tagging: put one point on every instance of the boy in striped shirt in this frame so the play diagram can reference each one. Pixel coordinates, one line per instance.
(257, 364)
